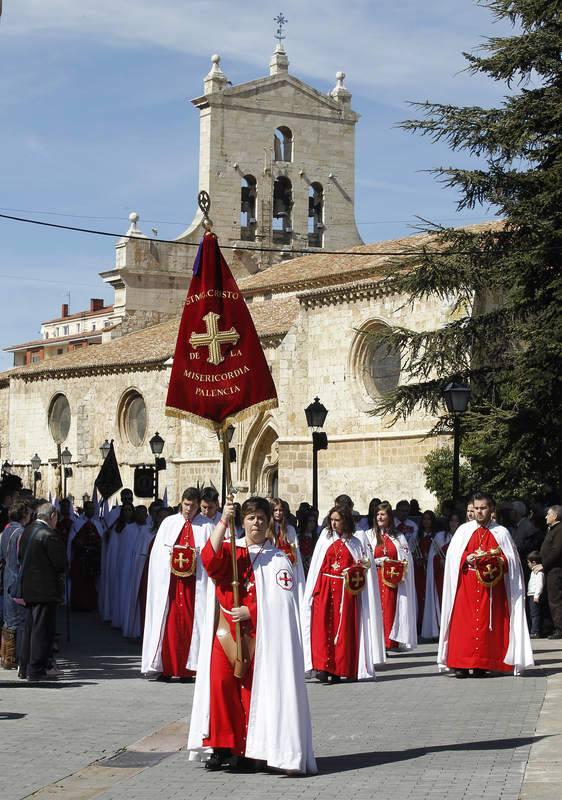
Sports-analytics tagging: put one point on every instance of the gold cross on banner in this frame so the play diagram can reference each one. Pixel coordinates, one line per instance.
(490, 571)
(182, 560)
(213, 338)
(393, 572)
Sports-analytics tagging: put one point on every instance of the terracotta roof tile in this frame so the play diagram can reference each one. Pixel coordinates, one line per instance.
(324, 269)
(152, 345)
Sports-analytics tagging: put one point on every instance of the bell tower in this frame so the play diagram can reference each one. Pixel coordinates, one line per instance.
(277, 158)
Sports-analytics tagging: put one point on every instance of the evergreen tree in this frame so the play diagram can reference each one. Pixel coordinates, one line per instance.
(505, 278)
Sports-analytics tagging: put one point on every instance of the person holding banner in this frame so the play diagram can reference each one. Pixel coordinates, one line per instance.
(339, 618)
(395, 570)
(256, 709)
(177, 584)
(483, 622)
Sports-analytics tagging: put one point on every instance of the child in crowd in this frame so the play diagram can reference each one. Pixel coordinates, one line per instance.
(535, 589)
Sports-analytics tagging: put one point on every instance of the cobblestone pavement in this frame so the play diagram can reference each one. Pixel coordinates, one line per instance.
(411, 734)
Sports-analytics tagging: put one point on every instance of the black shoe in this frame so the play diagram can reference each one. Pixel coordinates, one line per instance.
(556, 634)
(323, 676)
(39, 677)
(190, 679)
(535, 636)
(215, 762)
(335, 678)
(242, 764)
(460, 673)
(479, 673)
(157, 677)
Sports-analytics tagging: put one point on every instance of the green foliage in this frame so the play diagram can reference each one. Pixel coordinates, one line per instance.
(505, 279)
(438, 472)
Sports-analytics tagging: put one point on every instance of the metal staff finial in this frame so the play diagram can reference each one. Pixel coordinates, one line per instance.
(204, 203)
(281, 21)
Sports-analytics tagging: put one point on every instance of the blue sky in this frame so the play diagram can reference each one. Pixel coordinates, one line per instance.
(95, 119)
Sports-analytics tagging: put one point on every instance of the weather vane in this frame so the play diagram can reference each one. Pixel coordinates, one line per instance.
(281, 21)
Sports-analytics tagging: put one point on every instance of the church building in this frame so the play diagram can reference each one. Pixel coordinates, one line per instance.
(277, 158)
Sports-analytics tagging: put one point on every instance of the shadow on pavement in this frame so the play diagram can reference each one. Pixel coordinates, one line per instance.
(6, 715)
(354, 761)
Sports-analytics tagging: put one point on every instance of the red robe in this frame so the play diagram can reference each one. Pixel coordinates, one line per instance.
(84, 568)
(389, 596)
(334, 616)
(439, 571)
(179, 621)
(420, 554)
(229, 696)
(478, 637)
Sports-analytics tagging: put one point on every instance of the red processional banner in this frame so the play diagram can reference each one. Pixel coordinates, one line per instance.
(219, 369)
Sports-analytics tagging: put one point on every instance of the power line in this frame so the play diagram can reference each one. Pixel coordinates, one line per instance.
(409, 221)
(281, 251)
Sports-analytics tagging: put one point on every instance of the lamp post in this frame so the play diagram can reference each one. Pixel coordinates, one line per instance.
(104, 449)
(66, 458)
(316, 415)
(226, 453)
(35, 464)
(156, 446)
(457, 396)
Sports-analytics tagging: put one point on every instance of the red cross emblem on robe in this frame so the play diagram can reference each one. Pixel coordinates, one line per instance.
(489, 569)
(355, 577)
(393, 572)
(183, 560)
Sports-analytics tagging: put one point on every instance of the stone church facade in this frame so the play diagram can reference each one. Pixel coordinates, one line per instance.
(277, 158)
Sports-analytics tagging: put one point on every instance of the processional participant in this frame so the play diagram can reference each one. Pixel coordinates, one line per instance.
(341, 628)
(284, 537)
(420, 545)
(84, 548)
(434, 582)
(250, 700)
(177, 584)
(394, 564)
(483, 623)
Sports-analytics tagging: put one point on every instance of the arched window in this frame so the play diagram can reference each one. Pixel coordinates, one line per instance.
(132, 417)
(283, 144)
(315, 215)
(248, 205)
(59, 418)
(282, 225)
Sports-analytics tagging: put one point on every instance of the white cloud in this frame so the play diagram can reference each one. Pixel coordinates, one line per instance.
(389, 47)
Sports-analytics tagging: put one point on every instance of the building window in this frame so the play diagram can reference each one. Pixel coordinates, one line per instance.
(56, 332)
(132, 417)
(93, 326)
(77, 327)
(46, 334)
(374, 367)
(315, 215)
(106, 323)
(60, 351)
(65, 330)
(35, 358)
(248, 219)
(59, 418)
(283, 144)
(282, 225)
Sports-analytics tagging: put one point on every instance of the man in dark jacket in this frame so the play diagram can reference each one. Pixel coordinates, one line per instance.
(551, 556)
(42, 571)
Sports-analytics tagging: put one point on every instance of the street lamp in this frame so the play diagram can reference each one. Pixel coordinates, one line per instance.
(104, 449)
(66, 458)
(316, 415)
(457, 396)
(227, 452)
(35, 464)
(156, 446)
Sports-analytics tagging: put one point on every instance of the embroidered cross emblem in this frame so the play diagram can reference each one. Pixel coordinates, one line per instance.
(284, 579)
(181, 560)
(356, 581)
(490, 571)
(213, 338)
(393, 572)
